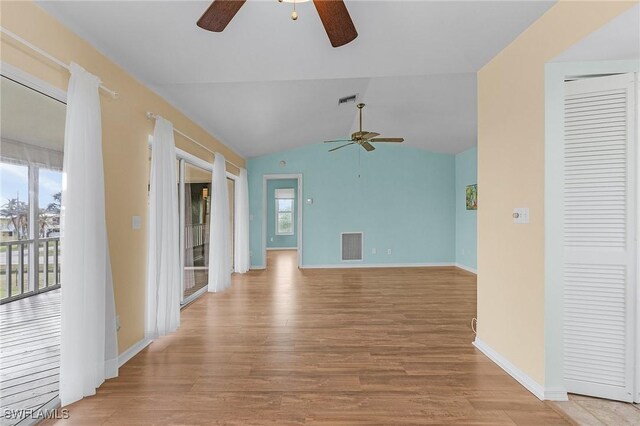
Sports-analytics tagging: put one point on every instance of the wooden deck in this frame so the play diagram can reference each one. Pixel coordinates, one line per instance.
(29, 353)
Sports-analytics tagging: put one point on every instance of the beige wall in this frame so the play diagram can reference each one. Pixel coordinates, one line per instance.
(125, 130)
(511, 174)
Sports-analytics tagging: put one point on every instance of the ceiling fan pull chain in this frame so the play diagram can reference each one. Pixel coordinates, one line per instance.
(294, 14)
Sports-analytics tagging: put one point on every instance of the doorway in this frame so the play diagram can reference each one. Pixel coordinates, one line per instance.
(32, 130)
(282, 215)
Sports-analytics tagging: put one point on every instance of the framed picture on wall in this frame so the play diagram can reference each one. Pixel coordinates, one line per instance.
(472, 197)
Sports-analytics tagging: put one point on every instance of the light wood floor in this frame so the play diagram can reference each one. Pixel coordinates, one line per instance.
(283, 346)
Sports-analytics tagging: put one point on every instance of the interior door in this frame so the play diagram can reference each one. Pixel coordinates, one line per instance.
(600, 236)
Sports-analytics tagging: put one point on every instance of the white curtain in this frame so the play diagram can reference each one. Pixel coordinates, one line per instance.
(163, 260)
(241, 244)
(88, 343)
(219, 237)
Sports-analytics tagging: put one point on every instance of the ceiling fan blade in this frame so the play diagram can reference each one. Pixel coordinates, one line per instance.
(219, 14)
(336, 20)
(367, 146)
(369, 135)
(338, 140)
(386, 140)
(342, 146)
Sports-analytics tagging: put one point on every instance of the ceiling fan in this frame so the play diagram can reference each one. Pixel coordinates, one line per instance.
(363, 138)
(333, 14)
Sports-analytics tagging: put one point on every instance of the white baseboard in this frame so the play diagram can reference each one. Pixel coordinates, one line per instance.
(257, 268)
(133, 351)
(466, 268)
(377, 265)
(281, 248)
(542, 393)
(555, 394)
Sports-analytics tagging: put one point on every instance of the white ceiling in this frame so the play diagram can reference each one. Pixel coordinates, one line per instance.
(617, 40)
(268, 83)
(31, 117)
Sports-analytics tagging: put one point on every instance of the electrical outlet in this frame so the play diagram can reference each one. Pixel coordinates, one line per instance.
(388, 251)
(271, 239)
(117, 322)
(374, 251)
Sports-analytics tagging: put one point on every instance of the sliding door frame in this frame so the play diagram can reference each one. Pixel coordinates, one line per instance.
(185, 157)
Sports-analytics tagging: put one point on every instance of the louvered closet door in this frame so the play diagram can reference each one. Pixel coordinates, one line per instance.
(599, 236)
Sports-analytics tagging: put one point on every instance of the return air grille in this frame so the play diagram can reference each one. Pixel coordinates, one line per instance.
(347, 99)
(352, 246)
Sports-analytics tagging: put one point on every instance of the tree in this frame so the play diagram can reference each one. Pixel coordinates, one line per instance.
(18, 214)
(50, 216)
(54, 207)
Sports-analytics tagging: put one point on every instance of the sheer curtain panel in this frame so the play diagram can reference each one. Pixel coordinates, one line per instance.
(219, 237)
(88, 341)
(241, 246)
(163, 259)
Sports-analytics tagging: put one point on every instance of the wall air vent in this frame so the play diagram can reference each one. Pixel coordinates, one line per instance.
(351, 246)
(347, 99)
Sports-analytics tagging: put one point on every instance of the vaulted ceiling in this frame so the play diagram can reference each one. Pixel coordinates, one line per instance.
(268, 83)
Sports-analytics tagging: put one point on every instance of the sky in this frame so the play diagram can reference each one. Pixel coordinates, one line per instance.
(14, 183)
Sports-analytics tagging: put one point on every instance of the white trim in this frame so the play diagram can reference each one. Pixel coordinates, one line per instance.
(282, 248)
(192, 297)
(551, 394)
(37, 417)
(379, 265)
(22, 77)
(466, 268)
(300, 206)
(636, 397)
(258, 268)
(133, 350)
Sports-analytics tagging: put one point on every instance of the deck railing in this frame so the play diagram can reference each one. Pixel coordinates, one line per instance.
(28, 267)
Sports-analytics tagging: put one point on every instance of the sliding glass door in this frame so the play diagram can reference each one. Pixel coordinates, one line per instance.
(196, 217)
(231, 186)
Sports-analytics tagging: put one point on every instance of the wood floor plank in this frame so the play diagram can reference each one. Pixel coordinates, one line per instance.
(329, 347)
(29, 352)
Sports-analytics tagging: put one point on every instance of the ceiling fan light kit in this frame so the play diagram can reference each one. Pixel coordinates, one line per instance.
(333, 14)
(363, 137)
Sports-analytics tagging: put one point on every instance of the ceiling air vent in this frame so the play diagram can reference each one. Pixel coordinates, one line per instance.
(347, 99)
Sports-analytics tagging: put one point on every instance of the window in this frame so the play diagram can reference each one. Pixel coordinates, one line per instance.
(285, 198)
(32, 134)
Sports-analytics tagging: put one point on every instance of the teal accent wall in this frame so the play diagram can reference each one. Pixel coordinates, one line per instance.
(280, 241)
(401, 198)
(466, 220)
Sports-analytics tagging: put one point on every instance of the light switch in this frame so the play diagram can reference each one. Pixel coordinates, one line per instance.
(309, 200)
(136, 222)
(521, 215)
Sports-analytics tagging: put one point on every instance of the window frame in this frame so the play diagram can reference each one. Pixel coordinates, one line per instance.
(291, 213)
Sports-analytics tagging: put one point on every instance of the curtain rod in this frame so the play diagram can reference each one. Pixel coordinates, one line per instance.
(49, 57)
(151, 115)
